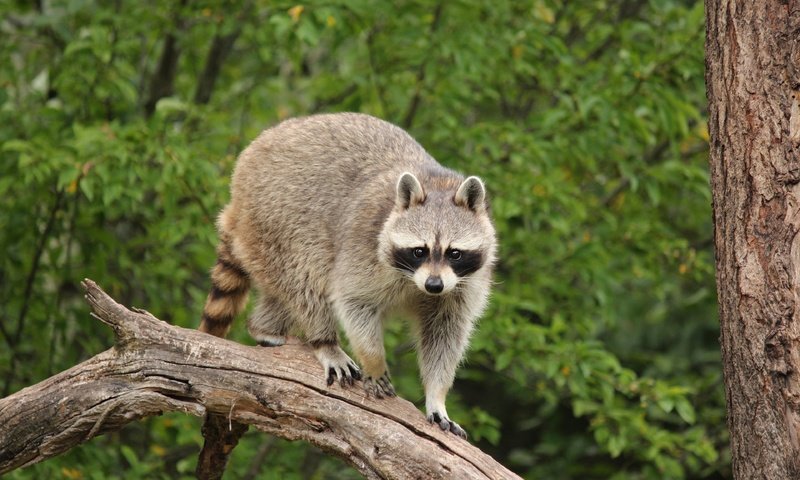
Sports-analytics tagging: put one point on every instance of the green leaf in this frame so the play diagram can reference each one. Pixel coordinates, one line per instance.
(666, 404)
(685, 410)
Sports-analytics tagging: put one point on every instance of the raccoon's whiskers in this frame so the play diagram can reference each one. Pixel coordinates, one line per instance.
(464, 284)
(408, 268)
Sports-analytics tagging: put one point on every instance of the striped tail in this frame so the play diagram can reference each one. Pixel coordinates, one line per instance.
(230, 285)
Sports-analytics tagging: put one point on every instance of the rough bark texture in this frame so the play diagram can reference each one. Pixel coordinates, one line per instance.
(155, 367)
(221, 437)
(753, 81)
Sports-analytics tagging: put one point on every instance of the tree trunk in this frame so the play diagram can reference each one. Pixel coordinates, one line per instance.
(155, 367)
(221, 47)
(163, 80)
(753, 82)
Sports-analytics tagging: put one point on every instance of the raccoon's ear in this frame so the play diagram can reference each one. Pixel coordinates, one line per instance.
(409, 191)
(471, 194)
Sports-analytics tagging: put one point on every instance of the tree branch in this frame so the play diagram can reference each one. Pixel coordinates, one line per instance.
(155, 367)
(222, 435)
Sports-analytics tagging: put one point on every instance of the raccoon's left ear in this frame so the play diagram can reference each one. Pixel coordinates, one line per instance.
(471, 194)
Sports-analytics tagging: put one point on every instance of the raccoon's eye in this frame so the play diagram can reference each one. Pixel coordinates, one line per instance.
(454, 254)
(419, 252)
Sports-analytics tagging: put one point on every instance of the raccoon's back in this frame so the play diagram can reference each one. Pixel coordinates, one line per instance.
(306, 177)
(325, 153)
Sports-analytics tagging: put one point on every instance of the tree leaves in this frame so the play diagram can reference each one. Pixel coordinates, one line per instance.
(585, 119)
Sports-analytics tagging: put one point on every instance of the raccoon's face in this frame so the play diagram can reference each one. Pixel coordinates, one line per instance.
(439, 238)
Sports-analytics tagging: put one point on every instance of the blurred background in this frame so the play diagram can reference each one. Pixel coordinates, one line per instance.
(598, 358)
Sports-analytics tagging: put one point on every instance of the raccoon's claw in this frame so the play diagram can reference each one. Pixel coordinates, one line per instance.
(382, 387)
(447, 424)
(337, 365)
(354, 371)
(347, 376)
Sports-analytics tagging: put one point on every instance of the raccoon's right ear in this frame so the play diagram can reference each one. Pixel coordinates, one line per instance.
(409, 191)
(471, 194)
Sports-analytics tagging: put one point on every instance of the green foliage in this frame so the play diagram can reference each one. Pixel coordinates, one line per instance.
(585, 118)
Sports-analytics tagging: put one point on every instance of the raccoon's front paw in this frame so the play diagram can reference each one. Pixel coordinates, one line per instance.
(380, 387)
(446, 424)
(337, 365)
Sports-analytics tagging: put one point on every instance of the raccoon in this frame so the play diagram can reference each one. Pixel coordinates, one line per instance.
(345, 216)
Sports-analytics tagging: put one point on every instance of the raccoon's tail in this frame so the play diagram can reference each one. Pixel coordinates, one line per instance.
(230, 285)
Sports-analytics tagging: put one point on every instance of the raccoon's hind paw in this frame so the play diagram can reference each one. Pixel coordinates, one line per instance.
(382, 387)
(337, 365)
(347, 376)
(446, 424)
(271, 340)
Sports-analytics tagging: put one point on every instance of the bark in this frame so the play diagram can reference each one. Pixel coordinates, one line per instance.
(221, 437)
(753, 81)
(155, 367)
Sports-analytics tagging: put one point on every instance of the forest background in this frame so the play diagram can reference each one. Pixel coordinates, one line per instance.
(598, 358)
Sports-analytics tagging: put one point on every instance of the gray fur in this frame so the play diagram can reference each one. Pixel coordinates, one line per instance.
(318, 205)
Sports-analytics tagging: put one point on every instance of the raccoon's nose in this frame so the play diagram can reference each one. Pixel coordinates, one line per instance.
(434, 284)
